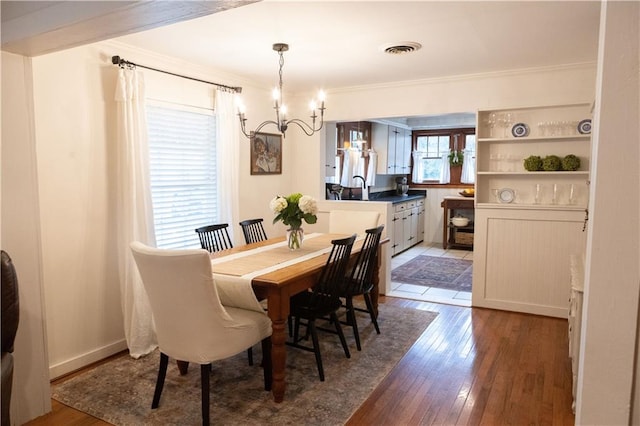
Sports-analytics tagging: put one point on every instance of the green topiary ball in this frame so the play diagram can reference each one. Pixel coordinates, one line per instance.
(533, 163)
(570, 163)
(551, 163)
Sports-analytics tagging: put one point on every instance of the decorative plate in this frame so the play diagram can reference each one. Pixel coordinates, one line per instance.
(584, 127)
(506, 195)
(520, 130)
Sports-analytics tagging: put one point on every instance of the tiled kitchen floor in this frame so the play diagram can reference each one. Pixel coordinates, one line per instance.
(429, 294)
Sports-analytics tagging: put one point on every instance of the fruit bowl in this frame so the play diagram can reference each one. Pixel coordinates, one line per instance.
(466, 194)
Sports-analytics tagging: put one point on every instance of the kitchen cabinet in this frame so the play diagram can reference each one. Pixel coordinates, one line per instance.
(421, 219)
(332, 161)
(527, 240)
(393, 146)
(408, 225)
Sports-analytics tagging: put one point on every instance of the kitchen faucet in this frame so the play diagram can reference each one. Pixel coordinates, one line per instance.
(365, 191)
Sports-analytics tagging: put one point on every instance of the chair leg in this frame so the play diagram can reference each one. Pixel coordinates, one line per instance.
(334, 318)
(316, 347)
(296, 330)
(374, 320)
(351, 315)
(266, 363)
(204, 379)
(162, 373)
(250, 355)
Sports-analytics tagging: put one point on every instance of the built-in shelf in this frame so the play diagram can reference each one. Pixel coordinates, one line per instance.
(524, 246)
(534, 174)
(577, 137)
(523, 206)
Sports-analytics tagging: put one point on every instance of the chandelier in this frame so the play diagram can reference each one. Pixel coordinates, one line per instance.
(282, 122)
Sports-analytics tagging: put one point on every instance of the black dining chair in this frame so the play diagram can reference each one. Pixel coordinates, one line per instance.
(253, 230)
(215, 237)
(360, 282)
(322, 300)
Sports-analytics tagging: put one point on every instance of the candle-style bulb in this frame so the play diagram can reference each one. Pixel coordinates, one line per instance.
(312, 105)
(321, 96)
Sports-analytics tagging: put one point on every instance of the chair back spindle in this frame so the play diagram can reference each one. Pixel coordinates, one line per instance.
(253, 230)
(333, 274)
(214, 237)
(362, 273)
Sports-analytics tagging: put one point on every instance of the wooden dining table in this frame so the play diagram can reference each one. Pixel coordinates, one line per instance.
(277, 286)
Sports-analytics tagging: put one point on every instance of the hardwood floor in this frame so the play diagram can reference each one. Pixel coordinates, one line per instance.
(477, 367)
(470, 367)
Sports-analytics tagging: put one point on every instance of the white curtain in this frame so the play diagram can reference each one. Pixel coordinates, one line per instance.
(134, 208)
(468, 167)
(228, 147)
(372, 168)
(353, 165)
(445, 173)
(417, 174)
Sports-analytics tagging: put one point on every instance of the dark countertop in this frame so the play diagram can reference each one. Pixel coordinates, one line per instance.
(392, 197)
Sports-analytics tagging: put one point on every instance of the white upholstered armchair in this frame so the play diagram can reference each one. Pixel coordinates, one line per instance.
(191, 323)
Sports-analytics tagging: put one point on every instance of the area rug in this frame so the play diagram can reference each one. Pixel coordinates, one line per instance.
(439, 272)
(120, 391)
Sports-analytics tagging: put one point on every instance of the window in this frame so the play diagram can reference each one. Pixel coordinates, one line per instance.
(430, 146)
(433, 148)
(182, 156)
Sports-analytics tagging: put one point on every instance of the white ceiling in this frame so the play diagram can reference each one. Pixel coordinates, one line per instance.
(336, 44)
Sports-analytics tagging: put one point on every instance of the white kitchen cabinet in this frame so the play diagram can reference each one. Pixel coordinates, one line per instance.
(407, 231)
(331, 148)
(525, 244)
(420, 213)
(410, 226)
(399, 218)
(393, 146)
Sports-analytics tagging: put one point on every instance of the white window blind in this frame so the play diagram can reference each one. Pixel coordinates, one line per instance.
(182, 155)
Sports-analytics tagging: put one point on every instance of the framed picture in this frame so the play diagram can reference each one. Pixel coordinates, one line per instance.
(266, 154)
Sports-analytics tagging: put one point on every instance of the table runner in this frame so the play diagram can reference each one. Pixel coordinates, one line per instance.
(233, 274)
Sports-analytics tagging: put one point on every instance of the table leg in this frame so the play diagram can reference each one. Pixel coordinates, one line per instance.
(278, 311)
(183, 367)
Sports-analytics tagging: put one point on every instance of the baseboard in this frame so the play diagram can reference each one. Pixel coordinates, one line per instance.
(83, 360)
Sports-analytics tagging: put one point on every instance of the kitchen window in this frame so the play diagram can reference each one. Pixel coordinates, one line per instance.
(182, 163)
(438, 156)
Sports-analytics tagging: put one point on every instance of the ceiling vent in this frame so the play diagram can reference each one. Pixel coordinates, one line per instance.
(401, 48)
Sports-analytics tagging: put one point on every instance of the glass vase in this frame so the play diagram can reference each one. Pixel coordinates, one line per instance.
(295, 236)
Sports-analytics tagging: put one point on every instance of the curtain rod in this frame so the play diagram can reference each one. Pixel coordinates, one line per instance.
(117, 60)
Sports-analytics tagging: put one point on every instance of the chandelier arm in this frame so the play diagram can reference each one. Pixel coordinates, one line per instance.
(309, 130)
(264, 123)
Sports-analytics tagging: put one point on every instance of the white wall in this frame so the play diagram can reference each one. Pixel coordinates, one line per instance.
(20, 237)
(75, 135)
(612, 281)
